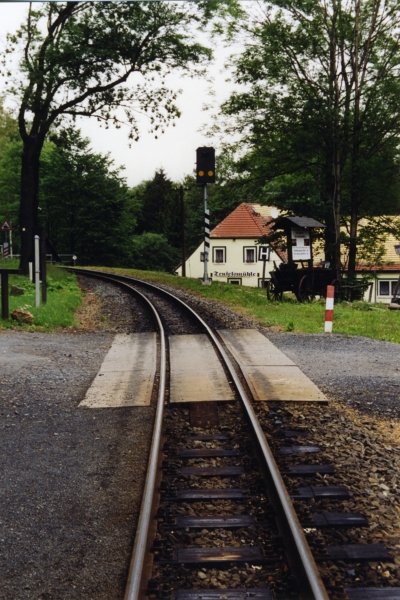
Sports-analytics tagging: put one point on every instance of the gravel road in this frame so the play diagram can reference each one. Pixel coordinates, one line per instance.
(361, 372)
(71, 479)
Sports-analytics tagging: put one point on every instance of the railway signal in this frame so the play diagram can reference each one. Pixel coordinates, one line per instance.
(205, 166)
(205, 173)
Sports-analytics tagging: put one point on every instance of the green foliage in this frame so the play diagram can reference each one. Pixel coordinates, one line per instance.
(290, 326)
(318, 118)
(10, 165)
(63, 299)
(160, 208)
(77, 57)
(151, 251)
(86, 207)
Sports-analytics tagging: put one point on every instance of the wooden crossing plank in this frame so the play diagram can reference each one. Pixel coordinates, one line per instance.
(250, 347)
(196, 373)
(127, 374)
(269, 373)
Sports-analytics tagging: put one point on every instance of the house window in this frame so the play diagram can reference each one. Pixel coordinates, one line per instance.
(250, 255)
(219, 255)
(387, 288)
(384, 288)
(262, 283)
(236, 281)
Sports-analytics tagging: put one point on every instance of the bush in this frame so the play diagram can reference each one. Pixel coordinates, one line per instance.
(152, 252)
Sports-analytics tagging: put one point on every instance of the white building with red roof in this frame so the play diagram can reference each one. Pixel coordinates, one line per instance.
(234, 252)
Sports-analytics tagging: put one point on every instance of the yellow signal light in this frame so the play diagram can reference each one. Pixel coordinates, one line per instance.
(201, 173)
(210, 173)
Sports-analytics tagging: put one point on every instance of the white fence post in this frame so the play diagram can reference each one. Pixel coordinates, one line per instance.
(37, 271)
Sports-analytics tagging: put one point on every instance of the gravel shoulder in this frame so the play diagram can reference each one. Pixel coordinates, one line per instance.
(71, 478)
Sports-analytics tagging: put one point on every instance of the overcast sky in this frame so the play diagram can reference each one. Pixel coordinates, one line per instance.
(175, 150)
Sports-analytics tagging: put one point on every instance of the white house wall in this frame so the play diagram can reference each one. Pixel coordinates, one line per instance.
(383, 287)
(234, 266)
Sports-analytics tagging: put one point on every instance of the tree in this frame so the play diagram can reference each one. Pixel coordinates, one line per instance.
(151, 251)
(10, 160)
(321, 106)
(84, 202)
(76, 60)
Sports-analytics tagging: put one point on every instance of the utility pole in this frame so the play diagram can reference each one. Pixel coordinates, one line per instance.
(205, 173)
(206, 280)
(183, 233)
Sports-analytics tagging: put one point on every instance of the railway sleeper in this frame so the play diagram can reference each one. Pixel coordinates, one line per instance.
(231, 522)
(373, 593)
(226, 556)
(226, 594)
(320, 492)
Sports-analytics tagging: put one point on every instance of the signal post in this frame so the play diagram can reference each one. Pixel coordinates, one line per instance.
(205, 173)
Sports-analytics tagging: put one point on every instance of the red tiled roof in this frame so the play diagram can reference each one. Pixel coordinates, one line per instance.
(245, 222)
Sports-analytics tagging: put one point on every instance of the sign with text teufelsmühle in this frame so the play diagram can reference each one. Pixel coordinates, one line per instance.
(301, 244)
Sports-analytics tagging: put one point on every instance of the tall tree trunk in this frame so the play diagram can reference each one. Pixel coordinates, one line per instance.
(337, 205)
(354, 214)
(355, 151)
(28, 215)
(327, 193)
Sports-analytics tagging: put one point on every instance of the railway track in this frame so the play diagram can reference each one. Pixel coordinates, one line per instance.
(226, 507)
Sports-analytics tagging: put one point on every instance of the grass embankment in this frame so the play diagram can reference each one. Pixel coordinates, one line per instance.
(288, 315)
(63, 299)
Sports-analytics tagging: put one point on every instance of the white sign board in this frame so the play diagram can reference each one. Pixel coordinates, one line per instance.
(263, 253)
(301, 248)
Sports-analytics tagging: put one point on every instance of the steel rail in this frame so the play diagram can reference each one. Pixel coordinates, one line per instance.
(132, 590)
(307, 566)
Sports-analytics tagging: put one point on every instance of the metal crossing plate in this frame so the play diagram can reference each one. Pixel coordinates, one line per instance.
(269, 373)
(358, 552)
(250, 554)
(206, 452)
(127, 374)
(333, 492)
(196, 373)
(337, 520)
(213, 494)
(210, 471)
(300, 470)
(224, 594)
(214, 522)
(373, 593)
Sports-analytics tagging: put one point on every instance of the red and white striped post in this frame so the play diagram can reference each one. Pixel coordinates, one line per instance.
(330, 295)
